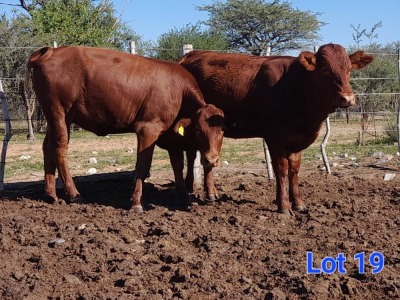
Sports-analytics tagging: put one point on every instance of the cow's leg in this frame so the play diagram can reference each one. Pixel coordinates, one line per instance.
(50, 165)
(62, 140)
(146, 142)
(177, 161)
(280, 165)
(294, 190)
(55, 148)
(209, 185)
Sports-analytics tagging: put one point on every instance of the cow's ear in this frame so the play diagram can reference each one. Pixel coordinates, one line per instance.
(360, 60)
(180, 126)
(308, 60)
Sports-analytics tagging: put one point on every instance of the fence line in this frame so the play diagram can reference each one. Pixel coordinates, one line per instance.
(374, 78)
(134, 49)
(351, 79)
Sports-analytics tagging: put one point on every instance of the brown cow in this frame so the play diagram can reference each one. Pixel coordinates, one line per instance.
(282, 99)
(106, 91)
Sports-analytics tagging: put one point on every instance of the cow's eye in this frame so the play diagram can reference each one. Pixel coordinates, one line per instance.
(325, 70)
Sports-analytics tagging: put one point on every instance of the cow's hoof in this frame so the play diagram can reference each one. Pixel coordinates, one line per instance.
(50, 199)
(287, 212)
(76, 200)
(137, 208)
(301, 207)
(212, 197)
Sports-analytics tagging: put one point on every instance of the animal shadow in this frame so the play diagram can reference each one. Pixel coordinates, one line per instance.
(113, 189)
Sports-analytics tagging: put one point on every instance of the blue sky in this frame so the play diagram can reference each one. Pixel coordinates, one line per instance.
(151, 18)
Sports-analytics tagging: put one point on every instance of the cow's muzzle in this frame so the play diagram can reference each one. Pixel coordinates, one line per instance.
(210, 161)
(345, 100)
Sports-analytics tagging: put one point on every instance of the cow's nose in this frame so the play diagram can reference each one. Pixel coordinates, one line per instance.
(210, 161)
(345, 100)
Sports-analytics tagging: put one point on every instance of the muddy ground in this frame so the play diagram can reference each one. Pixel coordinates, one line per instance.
(235, 248)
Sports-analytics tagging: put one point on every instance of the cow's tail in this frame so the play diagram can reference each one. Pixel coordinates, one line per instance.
(34, 60)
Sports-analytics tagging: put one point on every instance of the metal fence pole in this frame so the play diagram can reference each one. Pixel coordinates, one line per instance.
(326, 137)
(323, 145)
(7, 135)
(267, 155)
(398, 102)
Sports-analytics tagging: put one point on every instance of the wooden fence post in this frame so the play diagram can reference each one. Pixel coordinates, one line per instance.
(132, 47)
(7, 135)
(267, 155)
(59, 183)
(398, 102)
(186, 48)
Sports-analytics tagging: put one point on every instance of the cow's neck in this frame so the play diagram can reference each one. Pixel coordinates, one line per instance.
(310, 112)
(314, 104)
(189, 107)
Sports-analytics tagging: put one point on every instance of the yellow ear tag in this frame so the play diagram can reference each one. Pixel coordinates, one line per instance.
(181, 130)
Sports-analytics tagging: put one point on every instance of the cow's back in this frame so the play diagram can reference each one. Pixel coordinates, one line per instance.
(247, 88)
(217, 75)
(107, 91)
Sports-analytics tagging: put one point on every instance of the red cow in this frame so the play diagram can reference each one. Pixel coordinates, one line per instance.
(106, 91)
(282, 99)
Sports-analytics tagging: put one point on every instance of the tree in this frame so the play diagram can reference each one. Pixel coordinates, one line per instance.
(253, 25)
(82, 22)
(16, 45)
(358, 33)
(377, 83)
(171, 42)
(69, 22)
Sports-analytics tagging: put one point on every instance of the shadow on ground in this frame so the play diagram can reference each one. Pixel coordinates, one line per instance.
(113, 189)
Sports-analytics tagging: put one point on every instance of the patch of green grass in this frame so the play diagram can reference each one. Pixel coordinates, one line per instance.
(242, 151)
(112, 152)
(22, 167)
(335, 150)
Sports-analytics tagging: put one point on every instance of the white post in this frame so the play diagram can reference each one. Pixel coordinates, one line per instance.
(132, 47)
(268, 159)
(186, 48)
(59, 183)
(326, 137)
(7, 135)
(323, 145)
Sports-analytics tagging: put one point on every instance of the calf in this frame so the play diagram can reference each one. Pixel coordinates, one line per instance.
(106, 91)
(281, 99)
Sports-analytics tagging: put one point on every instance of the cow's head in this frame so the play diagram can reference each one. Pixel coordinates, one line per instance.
(209, 131)
(331, 66)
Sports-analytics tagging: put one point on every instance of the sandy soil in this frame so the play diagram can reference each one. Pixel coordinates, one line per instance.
(235, 248)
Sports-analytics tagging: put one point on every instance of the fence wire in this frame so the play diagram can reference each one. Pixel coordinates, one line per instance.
(376, 111)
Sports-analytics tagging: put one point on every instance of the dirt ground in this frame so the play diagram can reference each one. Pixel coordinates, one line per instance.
(237, 247)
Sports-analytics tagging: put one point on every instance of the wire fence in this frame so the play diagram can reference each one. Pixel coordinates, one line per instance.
(371, 124)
